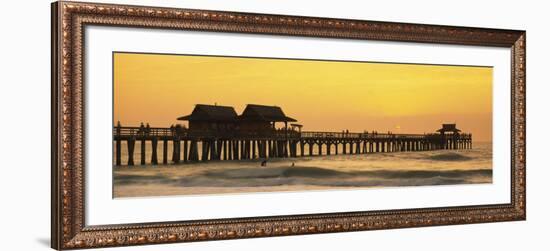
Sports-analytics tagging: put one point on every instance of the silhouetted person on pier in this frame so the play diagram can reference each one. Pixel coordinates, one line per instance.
(141, 128)
(147, 129)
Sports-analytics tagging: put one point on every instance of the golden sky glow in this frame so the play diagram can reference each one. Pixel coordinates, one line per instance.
(321, 95)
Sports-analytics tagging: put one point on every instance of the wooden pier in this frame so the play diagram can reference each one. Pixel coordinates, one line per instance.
(180, 145)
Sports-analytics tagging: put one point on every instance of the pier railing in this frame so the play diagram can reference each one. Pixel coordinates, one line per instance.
(161, 132)
(237, 145)
(147, 132)
(365, 135)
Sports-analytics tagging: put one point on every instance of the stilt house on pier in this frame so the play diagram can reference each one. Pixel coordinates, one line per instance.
(451, 138)
(448, 129)
(211, 119)
(261, 119)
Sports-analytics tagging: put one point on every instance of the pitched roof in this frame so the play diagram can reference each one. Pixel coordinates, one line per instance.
(264, 113)
(213, 113)
(448, 128)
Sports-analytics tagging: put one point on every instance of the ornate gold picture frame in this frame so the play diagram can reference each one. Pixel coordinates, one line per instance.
(69, 228)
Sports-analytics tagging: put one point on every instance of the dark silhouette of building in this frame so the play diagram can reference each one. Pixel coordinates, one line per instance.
(449, 136)
(211, 118)
(448, 128)
(261, 119)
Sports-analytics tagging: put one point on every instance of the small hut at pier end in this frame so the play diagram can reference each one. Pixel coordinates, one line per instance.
(261, 119)
(448, 129)
(449, 136)
(211, 119)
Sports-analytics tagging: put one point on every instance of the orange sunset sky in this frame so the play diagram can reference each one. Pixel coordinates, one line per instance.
(321, 95)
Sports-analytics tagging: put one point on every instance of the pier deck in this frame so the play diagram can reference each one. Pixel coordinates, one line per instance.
(188, 146)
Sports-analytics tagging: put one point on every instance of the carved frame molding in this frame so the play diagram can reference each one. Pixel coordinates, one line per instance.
(68, 228)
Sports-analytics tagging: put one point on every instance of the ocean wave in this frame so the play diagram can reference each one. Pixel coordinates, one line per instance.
(275, 172)
(317, 172)
(315, 176)
(126, 179)
(449, 157)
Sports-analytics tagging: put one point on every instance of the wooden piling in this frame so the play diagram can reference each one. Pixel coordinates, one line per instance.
(205, 150)
(253, 149)
(142, 153)
(225, 149)
(165, 151)
(194, 151)
(154, 143)
(235, 149)
(131, 143)
(176, 150)
(118, 147)
(244, 149)
(213, 150)
(230, 148)
(185, 151)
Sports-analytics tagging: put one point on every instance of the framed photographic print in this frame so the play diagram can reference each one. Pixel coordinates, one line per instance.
(176, 125)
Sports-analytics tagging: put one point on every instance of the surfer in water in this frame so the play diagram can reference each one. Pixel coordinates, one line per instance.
(264, 162)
